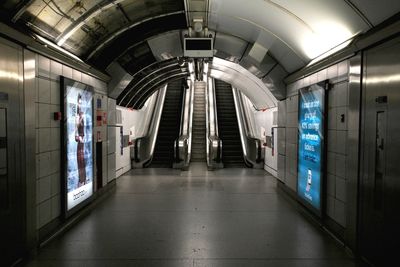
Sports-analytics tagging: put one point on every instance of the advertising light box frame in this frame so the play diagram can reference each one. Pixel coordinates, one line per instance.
(311, 164)
(77, 148)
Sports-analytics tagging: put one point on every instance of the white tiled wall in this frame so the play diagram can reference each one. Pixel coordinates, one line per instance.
(48, 143)
(337, 144)
(291, 142)
(336, 137)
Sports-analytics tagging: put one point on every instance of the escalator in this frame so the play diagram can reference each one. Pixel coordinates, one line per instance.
(199, 124)
(168, 131)
(232, 151)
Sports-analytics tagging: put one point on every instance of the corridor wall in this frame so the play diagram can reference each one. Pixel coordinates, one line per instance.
(336, 140)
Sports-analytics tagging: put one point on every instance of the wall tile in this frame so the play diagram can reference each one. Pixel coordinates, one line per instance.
(343, 68)
(55, 161)
(281, 114)
(37, 115)
(281, 167)
(44, 164)
(331, 185)
(331, 164)
(37, 193)
(342, 94)
(340, 212)
(55, 207)
(332, 98)
(55, 184)
(44, 67)
(314, 78)
(55, 93)
(56, 70)
(292, 166)
(281, 141)
(54, 123)
(76, 75)
(44, 140)
(291, 181)
(37, 140)
(295, 103)
(290, 87)
(37, 158)
(44, 188)
(291, 150)
(330, 207)
(291, 120)
(67, 71)
(299, 84)
(36, 90)
(43, 91)
(340, 189)
(322, 75)
(291, 135)
(306, 81)
(332, 118)
(341, 125)
(37, 217)
(86, 79)
(44, 116)
(340, 169)
(44, 213)
(341, 142)
(333, 71)
(287, 168)
(332, 141)
(55, 139)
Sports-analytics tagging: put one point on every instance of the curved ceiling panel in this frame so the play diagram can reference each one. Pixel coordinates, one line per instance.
(244, 81)
(310, 28)
(121, 43)
(376, 11)
(80, 26)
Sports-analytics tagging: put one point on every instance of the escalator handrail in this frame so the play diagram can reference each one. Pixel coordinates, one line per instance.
(214, 147)
(249, 141)
(181, 144)
(144, 146)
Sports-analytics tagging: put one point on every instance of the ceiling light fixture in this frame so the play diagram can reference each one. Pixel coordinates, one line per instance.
(60, 49)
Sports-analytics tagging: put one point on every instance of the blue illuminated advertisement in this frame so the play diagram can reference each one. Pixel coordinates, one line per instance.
(311, 144)
(78, 141)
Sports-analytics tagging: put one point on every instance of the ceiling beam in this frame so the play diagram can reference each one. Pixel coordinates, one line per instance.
(92, 12)
(22, 7)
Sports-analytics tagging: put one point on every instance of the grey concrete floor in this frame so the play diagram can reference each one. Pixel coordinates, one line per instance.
(165, 217)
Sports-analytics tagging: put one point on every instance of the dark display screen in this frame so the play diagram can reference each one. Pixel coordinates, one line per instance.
(198, 44)
(311, 144)
(78, 142)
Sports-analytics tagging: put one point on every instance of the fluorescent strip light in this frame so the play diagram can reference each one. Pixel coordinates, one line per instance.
(329, 53)
(60, 49)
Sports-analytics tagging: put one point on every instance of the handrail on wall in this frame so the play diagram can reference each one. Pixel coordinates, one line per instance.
(183, 144)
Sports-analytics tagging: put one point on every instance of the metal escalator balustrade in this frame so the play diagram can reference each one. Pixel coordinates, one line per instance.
(253, 149)
(182, 145)
(232, 151)
(198, 153)
(169, 127)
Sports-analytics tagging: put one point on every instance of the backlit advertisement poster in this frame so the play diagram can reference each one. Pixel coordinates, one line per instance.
(311, 144)
(78, 142)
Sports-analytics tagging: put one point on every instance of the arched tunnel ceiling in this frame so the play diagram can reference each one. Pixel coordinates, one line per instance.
(270, 38)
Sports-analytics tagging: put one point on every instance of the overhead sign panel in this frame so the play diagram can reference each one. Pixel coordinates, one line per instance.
(198, 47)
